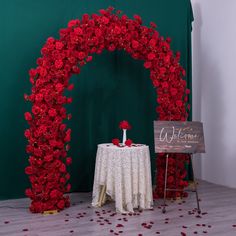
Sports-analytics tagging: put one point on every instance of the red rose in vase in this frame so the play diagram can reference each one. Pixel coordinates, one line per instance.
(124, 125)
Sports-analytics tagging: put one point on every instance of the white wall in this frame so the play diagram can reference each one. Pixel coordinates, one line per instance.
(214, 88)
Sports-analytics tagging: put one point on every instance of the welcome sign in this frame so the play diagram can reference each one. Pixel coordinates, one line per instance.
(179, 137)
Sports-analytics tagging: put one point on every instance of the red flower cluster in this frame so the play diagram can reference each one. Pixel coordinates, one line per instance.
(124, 125)
(47, 134)
(176, 175)
(116, 142)
(128, 142)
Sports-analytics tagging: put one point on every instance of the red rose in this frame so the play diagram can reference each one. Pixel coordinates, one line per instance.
(173, 91)
(151, 56)
(76, 69)
(69, 161)
(68, 187)
(70, 87)
(138, 18)
(48, 158)
(27, 133)
(35, 110)
(62, 168)
(68, 136)
(116, 141)
(28, 116)
(69, 100)
(165, 85)
(105, 20)
(28, 192)
(111, 48)
(67, 176)
(54, 193)
(29, 170)
(61, 204)
(117, 30)
(38, 97)
(172, 69)
(52, 112)
(58, 64)
(32, 72)
(43, 72)
(124, 125)
(152, 42)
(155, 83)
(179, 103)
(78, 30)
(62, 180)
(89, 58)
(147, 64)
(135, 44)
(59, 45)
(103, 12)
(153, 25)
(167, 59)
(187, 91)
(128, 142)
(162, 70)
(98, 32)
(81, 55)
(73, 23)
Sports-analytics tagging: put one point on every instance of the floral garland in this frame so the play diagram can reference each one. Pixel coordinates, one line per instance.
(48, 136)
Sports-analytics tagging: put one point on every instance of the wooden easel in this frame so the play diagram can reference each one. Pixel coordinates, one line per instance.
(178, 190)
(179, 137)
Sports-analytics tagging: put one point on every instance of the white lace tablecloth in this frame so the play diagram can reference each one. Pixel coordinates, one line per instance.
(126, 173)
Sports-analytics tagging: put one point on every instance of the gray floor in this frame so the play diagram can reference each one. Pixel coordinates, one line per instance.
(218, 217)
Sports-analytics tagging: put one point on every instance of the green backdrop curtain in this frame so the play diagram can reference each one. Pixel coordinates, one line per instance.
(111, 88)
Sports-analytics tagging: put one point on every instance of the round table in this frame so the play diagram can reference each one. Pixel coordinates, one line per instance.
(123, 173)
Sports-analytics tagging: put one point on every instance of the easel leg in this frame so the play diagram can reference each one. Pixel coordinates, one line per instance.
(195, 189)
(166, 172)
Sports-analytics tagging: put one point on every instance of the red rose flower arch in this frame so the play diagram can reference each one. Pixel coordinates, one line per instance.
(48, 136)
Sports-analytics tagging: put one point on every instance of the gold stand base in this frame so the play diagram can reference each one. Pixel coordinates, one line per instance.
(51, 212)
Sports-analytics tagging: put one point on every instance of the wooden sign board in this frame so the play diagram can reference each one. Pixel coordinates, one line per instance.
(179, 137)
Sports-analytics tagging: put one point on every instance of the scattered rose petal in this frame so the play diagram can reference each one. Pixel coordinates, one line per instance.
(119, 225)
